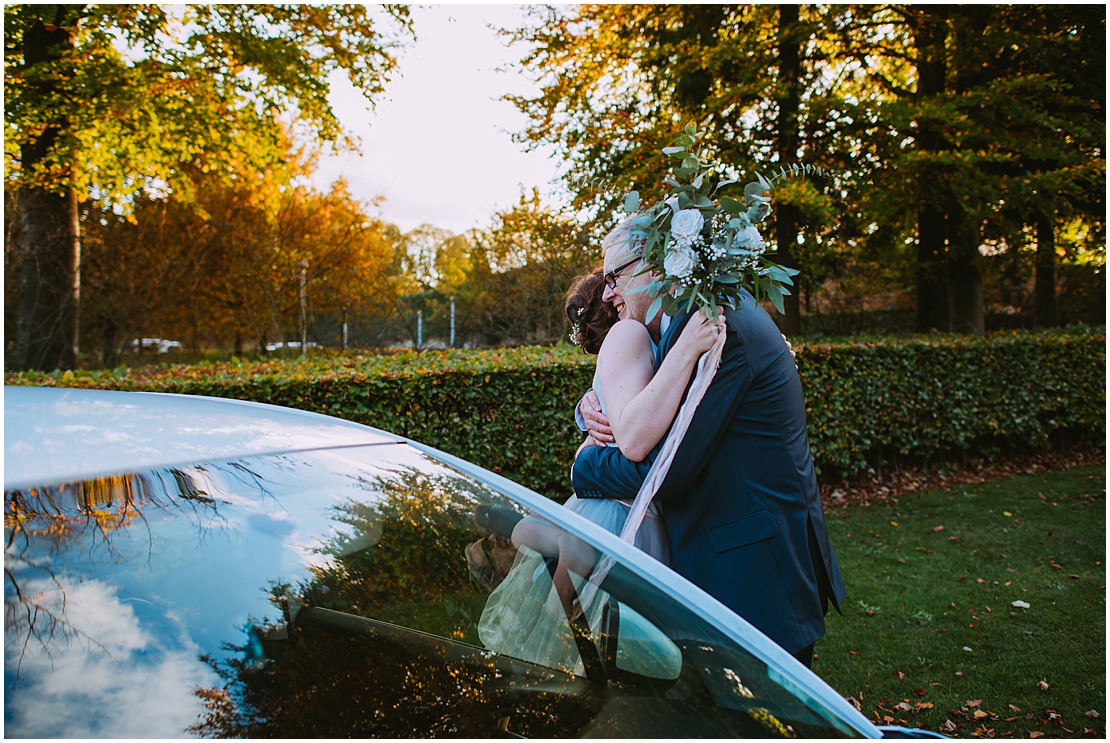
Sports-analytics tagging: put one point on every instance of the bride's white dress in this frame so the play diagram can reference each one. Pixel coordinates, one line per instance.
(523, 616)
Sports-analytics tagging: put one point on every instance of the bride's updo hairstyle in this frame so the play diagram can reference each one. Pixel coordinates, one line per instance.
(590, 317)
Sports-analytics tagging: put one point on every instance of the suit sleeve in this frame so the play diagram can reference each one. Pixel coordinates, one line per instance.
(602, 472)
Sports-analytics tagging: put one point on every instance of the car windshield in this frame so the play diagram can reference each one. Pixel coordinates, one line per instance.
(363, 591)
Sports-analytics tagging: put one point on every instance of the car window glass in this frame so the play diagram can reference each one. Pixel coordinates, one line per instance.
(361, 591)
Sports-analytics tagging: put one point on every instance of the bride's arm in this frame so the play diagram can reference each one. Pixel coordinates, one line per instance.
(641, 405)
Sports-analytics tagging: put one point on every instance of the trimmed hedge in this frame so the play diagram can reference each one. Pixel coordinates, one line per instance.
(869, 402)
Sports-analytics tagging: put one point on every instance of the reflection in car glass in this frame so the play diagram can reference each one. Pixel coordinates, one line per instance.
(350, 592)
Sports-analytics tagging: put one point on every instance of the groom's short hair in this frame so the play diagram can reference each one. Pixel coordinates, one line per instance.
(624, 234)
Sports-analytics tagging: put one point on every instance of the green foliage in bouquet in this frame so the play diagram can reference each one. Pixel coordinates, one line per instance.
(703, 245)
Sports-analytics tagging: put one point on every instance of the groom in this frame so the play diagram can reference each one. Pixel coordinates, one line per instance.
(740, 502)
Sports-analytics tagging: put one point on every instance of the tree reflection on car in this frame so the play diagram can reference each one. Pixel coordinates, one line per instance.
(338, 591)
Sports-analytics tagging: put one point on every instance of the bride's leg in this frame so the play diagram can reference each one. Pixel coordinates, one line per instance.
(542, 536)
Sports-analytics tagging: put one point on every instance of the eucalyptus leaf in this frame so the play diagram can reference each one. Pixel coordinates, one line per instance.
(775, 295)
(632, 201)
(724, 184)
(777, 273)
(674, 151)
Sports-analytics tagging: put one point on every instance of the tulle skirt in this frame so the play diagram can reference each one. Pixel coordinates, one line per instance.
(524, 617)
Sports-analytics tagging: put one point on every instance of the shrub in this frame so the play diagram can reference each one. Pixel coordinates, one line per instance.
(869, 402)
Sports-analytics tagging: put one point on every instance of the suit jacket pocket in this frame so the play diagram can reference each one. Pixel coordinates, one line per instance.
(743, 531)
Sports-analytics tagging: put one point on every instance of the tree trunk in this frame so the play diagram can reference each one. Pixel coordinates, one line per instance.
(109, 343)
(786, 217)
(1044, 286)
(930, 32)
(49, 281)
(965, 280)
(930, 281)
(49, 237)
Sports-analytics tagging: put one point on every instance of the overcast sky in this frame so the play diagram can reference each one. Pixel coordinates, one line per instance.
(438, 145)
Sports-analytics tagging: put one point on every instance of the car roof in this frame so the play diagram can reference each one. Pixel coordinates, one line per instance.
(56, 435)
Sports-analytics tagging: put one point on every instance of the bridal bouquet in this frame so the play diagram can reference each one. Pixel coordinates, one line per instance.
(703, 245)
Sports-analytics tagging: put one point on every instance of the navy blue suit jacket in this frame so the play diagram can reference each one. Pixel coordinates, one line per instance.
(740, 502)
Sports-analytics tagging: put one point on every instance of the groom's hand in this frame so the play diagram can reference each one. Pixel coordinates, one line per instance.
(597, 423)
(790, 348)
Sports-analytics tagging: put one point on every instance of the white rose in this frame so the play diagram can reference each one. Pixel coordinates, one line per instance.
(748, 238)
(680, 262)
(687, 223)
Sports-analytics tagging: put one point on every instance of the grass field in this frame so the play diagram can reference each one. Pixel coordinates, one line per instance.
(978, 611)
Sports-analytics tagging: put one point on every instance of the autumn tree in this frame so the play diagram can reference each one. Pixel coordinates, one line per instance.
(619, 81)
(105, 102)
(978, 123)
(938, 124)
(224, 265)
(522, 267)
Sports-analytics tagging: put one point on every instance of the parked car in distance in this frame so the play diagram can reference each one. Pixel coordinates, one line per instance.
(188, 566)
(294, 345)
(160, 345)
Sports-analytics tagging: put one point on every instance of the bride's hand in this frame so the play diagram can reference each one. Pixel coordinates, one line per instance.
(701, 332)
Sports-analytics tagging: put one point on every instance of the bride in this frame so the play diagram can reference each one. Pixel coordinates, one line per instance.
(640, 403)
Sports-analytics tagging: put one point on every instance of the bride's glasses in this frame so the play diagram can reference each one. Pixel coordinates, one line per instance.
(611, 277)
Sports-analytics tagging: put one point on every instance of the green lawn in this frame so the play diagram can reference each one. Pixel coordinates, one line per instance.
(977, 611)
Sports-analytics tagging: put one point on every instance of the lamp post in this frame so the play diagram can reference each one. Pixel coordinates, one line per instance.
(303, 265)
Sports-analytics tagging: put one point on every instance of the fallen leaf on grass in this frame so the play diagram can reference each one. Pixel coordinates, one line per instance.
(938, 528)
(1036, 734)
(974, 702)
(980, 714)
(1020, 605)
(1092, 713)
(1042, 685)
